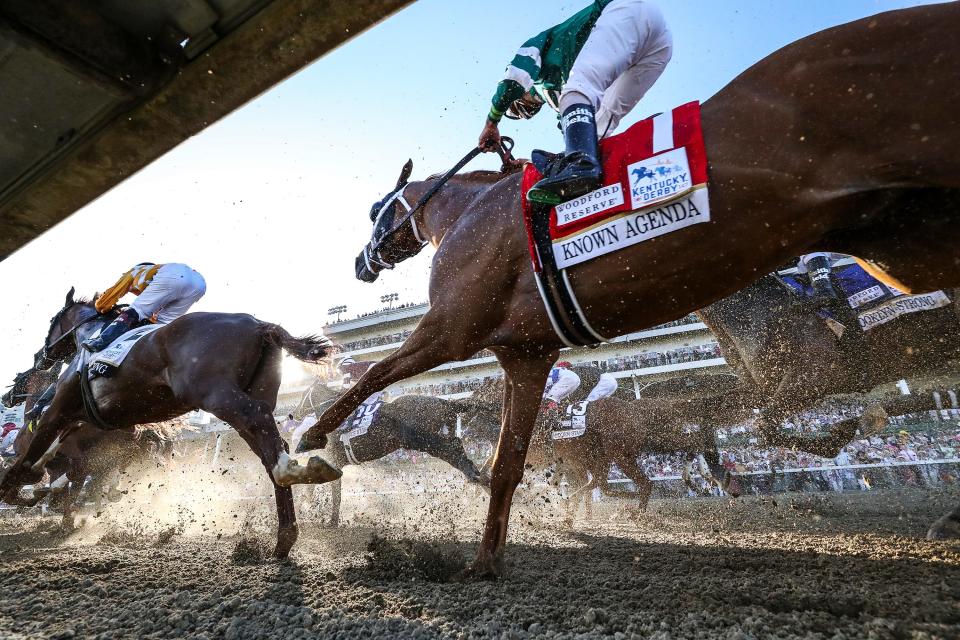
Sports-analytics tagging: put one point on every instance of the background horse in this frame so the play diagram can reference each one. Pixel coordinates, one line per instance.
(861, 161)
(225, 364)
(780, 347)
(619, 431)
(414, 423)
(28, 385)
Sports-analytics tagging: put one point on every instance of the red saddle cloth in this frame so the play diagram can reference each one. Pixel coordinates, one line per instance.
(655, 177)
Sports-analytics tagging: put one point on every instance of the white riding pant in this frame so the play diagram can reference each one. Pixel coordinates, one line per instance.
(567, 382)
(606, 387)
(622, 58)
(171, 293)
(8, 440)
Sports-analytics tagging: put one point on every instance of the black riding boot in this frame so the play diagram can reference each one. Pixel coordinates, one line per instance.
(578, 171)
(819, 270)
(127, 320)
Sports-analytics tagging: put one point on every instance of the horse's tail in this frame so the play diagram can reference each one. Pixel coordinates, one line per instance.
(307, 348)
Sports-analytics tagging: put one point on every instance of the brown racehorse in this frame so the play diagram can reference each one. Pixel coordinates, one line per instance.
(225, 364)
(843, 141)
(28, 385)
(412, 422)
(790, 358)
(619, 431)
(85, 450)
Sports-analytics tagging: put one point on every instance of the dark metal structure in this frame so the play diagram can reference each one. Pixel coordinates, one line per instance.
(93, 90)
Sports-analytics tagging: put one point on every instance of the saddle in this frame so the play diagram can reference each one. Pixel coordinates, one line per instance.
(545, 162)
(655, 178)
(105, 363)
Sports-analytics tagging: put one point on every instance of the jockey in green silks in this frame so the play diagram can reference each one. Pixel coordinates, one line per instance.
(593, 69)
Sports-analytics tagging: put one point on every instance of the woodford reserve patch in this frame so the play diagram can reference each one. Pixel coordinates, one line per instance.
(656, 183)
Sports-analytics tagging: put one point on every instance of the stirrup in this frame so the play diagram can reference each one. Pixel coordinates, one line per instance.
(543, 196)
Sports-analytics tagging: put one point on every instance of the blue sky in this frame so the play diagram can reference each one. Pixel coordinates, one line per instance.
(270, 203)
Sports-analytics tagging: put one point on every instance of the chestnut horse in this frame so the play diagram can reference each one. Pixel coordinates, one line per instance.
(619, 431)
(842, 141)
(226, 364)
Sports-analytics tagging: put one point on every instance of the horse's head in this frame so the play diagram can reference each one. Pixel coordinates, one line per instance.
(30, 382)
(57, 345)
(395, 236)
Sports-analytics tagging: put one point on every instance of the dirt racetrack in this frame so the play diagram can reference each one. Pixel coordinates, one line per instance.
(811, 566)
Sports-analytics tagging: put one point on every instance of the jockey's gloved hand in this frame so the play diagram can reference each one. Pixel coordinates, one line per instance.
(490, 136)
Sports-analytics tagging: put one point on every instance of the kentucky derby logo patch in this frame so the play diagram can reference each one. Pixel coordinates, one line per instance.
(660, 178)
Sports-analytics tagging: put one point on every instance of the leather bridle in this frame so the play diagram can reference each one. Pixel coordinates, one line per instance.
(372, 254)
(45, 352)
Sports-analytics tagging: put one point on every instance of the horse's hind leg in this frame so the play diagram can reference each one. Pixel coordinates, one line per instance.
(253, 420)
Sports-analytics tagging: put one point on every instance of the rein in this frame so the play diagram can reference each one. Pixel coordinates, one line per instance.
(72, 330)
(372, 253)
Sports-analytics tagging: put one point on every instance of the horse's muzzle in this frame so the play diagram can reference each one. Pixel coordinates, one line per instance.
(364, 271)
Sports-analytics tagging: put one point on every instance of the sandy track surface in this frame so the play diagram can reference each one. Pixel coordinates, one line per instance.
(853, 566)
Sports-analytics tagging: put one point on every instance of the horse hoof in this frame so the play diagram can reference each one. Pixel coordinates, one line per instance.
(733, 487)
(478, 571)
(288, 471)
(945, 528)
(310, 442)
(285, 541)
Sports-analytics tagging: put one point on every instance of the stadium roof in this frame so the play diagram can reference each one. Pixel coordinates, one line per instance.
(96, 90)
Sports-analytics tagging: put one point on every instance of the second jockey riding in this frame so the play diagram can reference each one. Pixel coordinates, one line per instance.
(566, 384)
(593, 69)
(164, 293)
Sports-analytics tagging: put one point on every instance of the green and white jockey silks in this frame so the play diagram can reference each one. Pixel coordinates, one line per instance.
(610, 52)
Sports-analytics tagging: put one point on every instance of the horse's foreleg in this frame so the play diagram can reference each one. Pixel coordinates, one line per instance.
(525, 376)
(48, 429)
(29, 467)
(423, 350)
(720, 476)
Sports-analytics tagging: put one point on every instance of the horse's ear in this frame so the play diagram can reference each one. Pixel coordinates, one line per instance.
(69, 300)
(405, 174)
